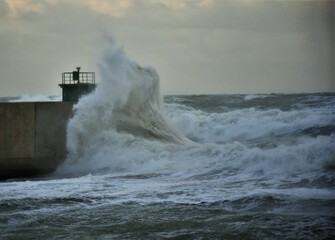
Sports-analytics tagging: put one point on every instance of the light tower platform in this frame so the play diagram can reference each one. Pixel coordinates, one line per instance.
(75, 84)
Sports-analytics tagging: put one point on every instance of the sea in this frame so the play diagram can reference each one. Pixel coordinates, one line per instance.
(141, 166)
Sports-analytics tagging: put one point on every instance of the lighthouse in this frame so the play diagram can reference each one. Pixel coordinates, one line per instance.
(76, 84)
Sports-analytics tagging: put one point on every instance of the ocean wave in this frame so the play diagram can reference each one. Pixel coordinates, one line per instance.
(122, 127)
(247, 124)
(123, 111)
(257, 96)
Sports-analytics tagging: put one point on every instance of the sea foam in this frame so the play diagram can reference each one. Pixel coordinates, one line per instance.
(123, 127)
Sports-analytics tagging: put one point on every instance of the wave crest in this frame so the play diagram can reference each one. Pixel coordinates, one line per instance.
(126, 102)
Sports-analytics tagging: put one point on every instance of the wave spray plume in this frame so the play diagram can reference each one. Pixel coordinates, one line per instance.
(126, 107)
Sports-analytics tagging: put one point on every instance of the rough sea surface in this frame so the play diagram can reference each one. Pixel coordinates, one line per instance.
(254, 167)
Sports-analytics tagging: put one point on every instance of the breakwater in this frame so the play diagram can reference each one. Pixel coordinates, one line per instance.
(32, 137)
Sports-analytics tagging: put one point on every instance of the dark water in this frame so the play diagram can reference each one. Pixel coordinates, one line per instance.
(263, 168)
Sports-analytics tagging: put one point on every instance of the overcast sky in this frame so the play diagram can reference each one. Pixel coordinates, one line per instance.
(196, 46)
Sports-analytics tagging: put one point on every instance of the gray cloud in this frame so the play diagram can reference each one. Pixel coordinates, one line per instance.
(260, 16)
(225, 47)
(4, 9)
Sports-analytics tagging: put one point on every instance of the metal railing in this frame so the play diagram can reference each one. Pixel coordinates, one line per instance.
(84, 77)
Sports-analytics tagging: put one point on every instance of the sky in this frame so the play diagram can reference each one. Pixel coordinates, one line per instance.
(196, 46)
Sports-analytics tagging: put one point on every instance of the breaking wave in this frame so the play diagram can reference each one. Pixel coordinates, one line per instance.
(125, 110)
(245, 125)
(256, 97)
(123, 127)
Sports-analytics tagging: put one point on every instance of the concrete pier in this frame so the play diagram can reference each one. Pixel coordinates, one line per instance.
(32, 137)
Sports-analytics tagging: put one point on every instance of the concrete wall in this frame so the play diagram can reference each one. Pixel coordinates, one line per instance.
(32, 137)
(72, 92)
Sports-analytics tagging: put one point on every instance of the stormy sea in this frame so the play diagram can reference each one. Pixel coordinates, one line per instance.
(141, 166)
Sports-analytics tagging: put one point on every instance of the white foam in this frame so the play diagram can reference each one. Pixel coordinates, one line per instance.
(256, 96)
(122, 128)
(244, 124)
(307, 154)
(124, 111)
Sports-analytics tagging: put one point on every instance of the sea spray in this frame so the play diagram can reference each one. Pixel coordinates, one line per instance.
(126, 107)
(274, 181)
(122, 127)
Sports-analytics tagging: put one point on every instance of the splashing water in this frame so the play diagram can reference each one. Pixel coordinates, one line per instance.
(257, 166)
(125, 108)
(122, 127)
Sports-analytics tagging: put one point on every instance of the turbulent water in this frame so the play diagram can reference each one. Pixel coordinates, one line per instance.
(188, 167)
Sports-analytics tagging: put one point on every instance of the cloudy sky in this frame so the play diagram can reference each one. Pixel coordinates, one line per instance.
(196, 46)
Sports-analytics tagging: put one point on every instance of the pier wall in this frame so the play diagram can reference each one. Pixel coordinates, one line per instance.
(32, 137)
